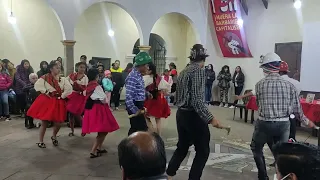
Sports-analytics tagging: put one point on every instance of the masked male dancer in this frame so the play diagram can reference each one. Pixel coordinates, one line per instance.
(277, 99)
(135, 92)
(193, 116)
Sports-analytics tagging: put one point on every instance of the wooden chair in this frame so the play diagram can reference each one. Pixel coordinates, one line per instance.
(242, 106)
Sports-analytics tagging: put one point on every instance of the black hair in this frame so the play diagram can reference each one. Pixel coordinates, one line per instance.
(42, 63)
(5, 61)
(211, 66)
(100, 65)
(173, 65)
(129, 66)
(225, 66)
(166, 70)
(117, 61)
(92, 74)
(198, 53)
(235, 72)
(91, 62)
(62, 69)
(301, 159)
(83, 57)
(81, 63)
(59, 58)
(52, 64)
(30, 70)
(112, 65)
(139, 164)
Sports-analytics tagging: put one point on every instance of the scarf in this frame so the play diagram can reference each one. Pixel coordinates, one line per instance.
(54, 83)
(90, 88)
(76, 86)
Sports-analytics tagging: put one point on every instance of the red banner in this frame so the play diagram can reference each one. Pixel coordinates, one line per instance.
(226, 15)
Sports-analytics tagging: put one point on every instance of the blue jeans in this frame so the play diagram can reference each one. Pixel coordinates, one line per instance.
(208, 92)
(266, 132)
(4, 104)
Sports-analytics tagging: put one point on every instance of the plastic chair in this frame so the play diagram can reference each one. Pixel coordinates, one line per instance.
(242, 106)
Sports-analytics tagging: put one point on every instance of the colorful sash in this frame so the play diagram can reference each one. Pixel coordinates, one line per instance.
(54, 83)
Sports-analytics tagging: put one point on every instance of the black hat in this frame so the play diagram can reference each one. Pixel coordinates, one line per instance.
(198, 53)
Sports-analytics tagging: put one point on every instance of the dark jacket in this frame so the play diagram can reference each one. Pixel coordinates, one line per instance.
(42, 72)
(210, 77)
(21, 78)
(239, 79)
(224, 80)
(31, 94)
(117, 77)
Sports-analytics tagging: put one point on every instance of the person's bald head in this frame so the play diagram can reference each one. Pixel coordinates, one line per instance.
(142, 154)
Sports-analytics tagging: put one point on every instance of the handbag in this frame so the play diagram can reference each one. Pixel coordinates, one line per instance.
(164, 85)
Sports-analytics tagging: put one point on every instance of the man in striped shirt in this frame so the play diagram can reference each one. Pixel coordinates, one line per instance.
(193, 116)
(135, 92)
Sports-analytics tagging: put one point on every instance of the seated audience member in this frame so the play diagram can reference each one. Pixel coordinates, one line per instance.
(297, 161)
(31, 95)
(142, 156)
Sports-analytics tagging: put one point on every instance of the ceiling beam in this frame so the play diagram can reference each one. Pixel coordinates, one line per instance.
(265, 3)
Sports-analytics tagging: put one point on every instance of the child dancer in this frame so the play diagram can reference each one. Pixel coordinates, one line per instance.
(97, 115)
(50, 105)
(31, 95)
(76, 101)
(166, 76)
(157, 106)
(107, 85)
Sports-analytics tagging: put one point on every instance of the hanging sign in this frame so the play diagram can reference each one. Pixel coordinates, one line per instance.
(228, 24)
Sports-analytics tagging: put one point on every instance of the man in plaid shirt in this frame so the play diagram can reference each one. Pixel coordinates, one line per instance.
(276, 98)
(193, 116)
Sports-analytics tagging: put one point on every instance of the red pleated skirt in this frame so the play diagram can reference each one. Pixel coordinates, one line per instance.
(48, 109)
(76, 103)
(99, 119)
(157, 108)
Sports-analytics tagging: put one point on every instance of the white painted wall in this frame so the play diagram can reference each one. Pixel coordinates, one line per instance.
(35, 37)
(279, 23)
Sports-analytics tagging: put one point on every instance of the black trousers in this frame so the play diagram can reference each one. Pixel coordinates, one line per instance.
(21, 102)
(293, 128)
(115, 97)
(137, 123)
(191, 130)
(237, 91)
(28, 121)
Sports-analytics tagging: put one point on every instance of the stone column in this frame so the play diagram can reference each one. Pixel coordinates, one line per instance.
(68, 61)
(144, 48)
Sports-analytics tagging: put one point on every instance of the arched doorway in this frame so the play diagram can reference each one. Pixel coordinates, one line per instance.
(179, 34)
(93, 37)
(157, 52)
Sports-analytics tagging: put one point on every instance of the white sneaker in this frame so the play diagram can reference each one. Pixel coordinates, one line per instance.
(226, 106)
(38, 124)
(221, 104)
(231, 107)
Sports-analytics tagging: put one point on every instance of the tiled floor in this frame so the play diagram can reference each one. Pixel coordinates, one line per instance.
(20, 158)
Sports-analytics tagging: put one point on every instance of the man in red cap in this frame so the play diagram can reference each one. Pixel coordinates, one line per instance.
(284, 69)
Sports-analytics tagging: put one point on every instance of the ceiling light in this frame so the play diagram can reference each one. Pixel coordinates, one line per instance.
(12, 19)
(297, 4)
(240, 22)
(111, 33)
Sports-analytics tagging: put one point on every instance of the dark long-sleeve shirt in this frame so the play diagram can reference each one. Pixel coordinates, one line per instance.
(190, 91)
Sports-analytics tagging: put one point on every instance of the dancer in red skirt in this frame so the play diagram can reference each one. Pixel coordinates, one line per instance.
(157, 107)
(97, 115)
(50, 105)
(76, 101)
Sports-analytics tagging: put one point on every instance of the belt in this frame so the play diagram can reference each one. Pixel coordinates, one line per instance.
(186, 109)
(273, 119)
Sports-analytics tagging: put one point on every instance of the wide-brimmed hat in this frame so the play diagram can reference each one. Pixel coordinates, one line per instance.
(142, 58)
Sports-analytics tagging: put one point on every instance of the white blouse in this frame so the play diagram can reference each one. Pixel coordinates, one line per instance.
(44, 87)
(148, 79)
(99, 94)
(82, 81)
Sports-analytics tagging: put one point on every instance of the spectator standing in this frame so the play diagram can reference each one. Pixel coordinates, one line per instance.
(21, 79)
(174, 75)
(224, 79)
(142, 156)
(117, 78)
(166, 76)
(238, 82)
(210, 77)
(5, 84)
(101, 74)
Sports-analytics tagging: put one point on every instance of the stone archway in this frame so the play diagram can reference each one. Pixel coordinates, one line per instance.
(157, 52)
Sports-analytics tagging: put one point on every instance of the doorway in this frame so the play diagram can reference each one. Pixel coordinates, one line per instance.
(157, 52)
(105, 61)
(291, 53)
